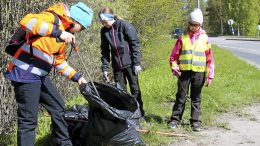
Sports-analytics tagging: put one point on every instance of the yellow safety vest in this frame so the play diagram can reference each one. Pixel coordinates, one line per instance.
(193, 57)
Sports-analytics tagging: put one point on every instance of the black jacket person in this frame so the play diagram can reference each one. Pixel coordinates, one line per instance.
(120, 43)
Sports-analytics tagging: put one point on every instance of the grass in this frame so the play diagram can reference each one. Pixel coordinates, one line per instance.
(7, 140)
(236, 84)
(224, 126)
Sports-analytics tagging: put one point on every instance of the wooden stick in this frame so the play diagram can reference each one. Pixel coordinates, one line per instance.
(162, 133)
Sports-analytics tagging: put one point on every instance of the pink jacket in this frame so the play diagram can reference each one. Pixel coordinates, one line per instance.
(209, 56)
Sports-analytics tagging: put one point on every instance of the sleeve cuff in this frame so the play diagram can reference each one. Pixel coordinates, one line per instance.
(173, 64)
(56, 33)
(76, 77)
(137, 63)
(104, 68)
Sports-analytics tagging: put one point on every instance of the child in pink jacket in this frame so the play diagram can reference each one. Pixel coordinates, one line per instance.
(192, 63)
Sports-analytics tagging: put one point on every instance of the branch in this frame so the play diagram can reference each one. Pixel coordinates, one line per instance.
(159, 132)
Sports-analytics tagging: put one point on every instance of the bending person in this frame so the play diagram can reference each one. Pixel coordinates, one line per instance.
(31, 64)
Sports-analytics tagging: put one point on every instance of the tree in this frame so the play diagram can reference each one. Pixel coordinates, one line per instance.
(244, 13)
(156, 17)
(216, 16)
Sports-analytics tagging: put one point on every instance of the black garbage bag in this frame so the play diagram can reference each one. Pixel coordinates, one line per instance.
(77, 113)
(76, 117)
(113, 117)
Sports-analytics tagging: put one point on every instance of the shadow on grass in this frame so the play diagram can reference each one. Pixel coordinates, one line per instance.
(10, 140)
(152, 117)
(45, 141)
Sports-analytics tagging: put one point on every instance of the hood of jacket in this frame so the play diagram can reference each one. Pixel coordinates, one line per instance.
(200, 31)
(62, 10)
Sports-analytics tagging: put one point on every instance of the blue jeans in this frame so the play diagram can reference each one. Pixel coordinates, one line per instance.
(28, 97)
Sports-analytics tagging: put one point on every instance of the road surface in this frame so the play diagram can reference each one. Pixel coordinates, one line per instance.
(244, 49)
(238, 130)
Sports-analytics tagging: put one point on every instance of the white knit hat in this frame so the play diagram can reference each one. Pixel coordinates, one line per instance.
(196, 16)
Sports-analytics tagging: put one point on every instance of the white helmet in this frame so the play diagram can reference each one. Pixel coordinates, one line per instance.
(196, 16)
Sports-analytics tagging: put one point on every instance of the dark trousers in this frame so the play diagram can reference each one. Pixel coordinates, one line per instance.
(194, 81)
(28, 96)
(127, 74)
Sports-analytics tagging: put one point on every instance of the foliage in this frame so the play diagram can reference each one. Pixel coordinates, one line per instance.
(154, 18)
(215, 16)
(244, 13)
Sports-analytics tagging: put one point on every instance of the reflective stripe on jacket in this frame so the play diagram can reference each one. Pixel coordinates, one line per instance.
(44, 47)
(190, 41)
(192, 57)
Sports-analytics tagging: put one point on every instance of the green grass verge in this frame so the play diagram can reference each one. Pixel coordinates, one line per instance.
(236, 84)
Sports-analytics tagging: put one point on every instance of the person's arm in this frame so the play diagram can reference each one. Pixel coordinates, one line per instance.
(174, 58)
(63, 67)
(105, 52)
(133, 41)
(41, 24)
(210, 61)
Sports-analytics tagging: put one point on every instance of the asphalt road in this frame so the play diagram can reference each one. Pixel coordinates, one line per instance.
(248, 51)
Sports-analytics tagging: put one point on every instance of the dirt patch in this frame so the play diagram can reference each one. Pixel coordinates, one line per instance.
(235, 129)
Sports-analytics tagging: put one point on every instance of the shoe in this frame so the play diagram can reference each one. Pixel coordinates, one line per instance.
(195, 127)
(172, 124)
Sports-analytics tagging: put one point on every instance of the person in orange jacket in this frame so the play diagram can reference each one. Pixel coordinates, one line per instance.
(31, 65)
(192, 62)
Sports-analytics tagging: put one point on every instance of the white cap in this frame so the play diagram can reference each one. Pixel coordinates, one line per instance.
(196, 16)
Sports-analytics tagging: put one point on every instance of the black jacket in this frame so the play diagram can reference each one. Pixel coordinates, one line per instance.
(122, 41)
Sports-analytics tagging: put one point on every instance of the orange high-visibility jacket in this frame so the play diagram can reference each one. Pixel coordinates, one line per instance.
(47, 51)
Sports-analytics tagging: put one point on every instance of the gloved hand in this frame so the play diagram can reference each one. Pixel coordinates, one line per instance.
(118, 85)
(105, 77)
(67, 37)
(137, 69)
(209, 80)
(85, 89)
(176, 71)
(82, 80)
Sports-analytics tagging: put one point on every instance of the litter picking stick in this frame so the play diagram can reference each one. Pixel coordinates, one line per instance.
(76, 50)
(162, 133)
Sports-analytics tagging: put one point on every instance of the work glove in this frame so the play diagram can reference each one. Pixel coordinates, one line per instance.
(176, 71)
(105, 77)
(118, 85)
(85, 89)
(209, 80)
(81, 80)
(137, 69)
(67, 37)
